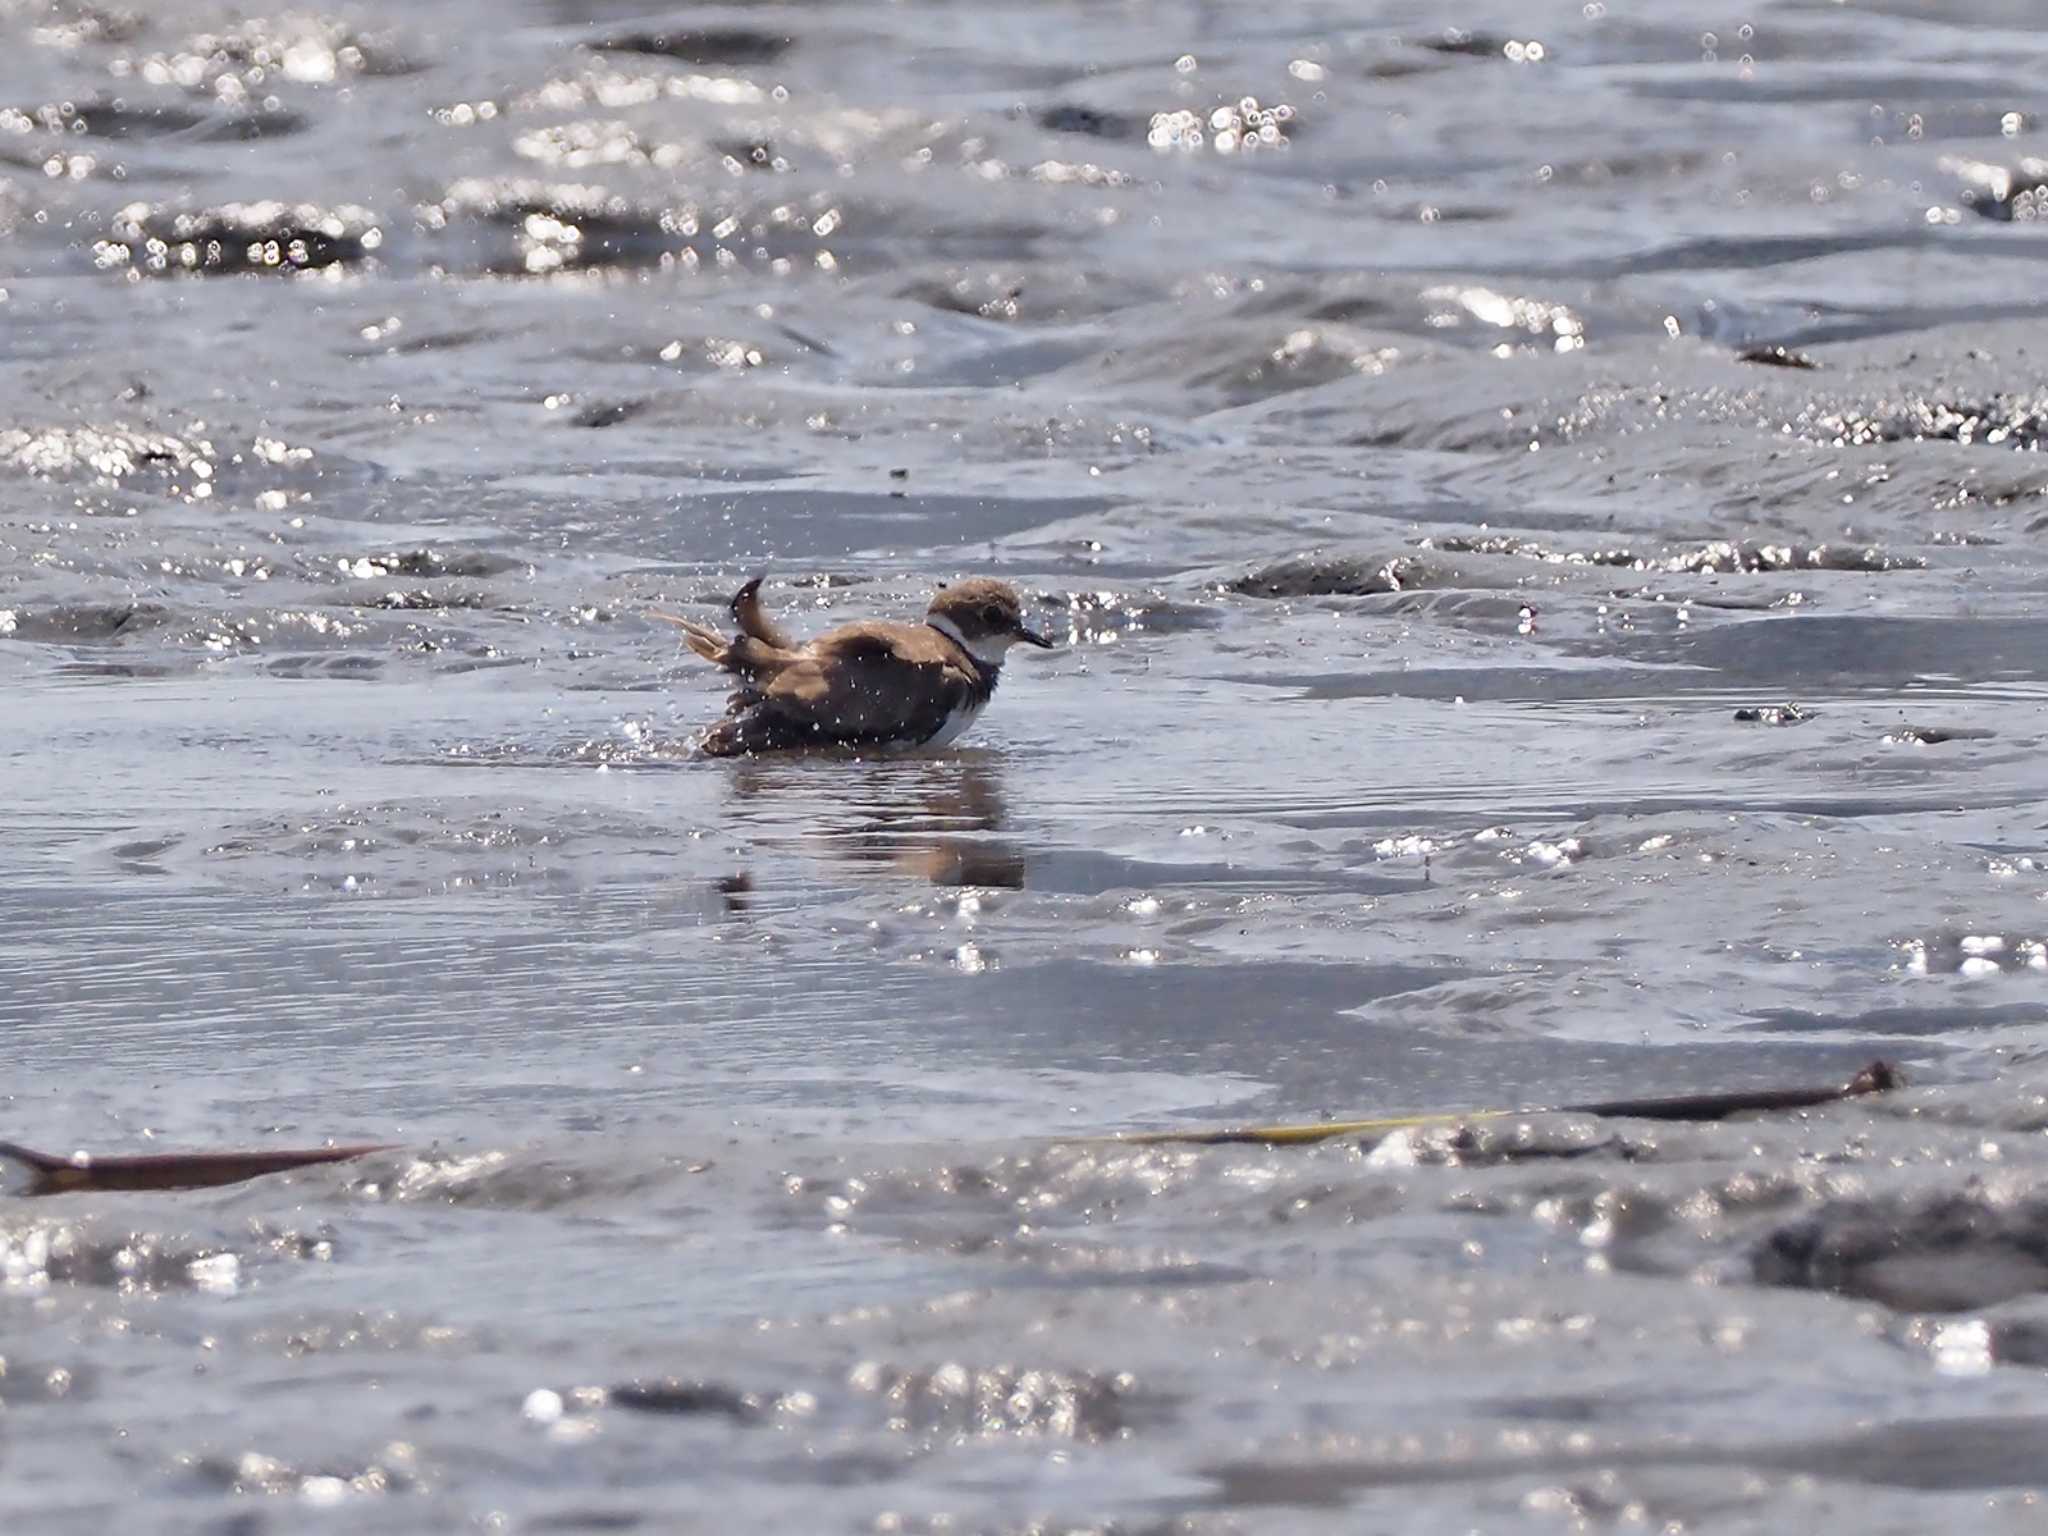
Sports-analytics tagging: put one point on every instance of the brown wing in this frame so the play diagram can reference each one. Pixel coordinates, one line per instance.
(867, 682)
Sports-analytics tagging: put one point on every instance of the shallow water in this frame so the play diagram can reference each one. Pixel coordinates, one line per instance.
(1403, 415)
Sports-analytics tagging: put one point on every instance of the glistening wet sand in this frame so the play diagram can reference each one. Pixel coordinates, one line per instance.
(1496, 670)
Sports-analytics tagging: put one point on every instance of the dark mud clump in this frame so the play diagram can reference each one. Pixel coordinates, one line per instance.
(1933, 735)
(701, 45)
(1091, 122)
(1949, 1253)
(1775, 714)
(1775, 357)
(1329, 576)
(429, 562)
(608, 413)
(237, 238)
(686, 1399)
(1091, 614)
(82, 623)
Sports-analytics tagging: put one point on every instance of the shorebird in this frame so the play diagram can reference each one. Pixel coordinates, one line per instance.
(872, 683)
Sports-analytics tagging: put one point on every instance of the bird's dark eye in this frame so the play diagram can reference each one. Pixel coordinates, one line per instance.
(992, 616)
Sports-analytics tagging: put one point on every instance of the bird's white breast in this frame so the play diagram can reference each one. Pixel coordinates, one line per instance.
(956, 725)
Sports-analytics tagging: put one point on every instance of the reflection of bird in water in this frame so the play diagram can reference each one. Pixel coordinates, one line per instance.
(926, 818)
(872, 684)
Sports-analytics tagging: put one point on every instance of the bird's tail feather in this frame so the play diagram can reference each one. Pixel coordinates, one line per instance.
(746, 655)
(707, 643)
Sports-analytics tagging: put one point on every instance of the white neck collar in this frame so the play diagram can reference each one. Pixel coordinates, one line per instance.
(946, 627)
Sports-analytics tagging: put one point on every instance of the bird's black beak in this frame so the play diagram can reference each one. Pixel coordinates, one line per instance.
(1031, 636)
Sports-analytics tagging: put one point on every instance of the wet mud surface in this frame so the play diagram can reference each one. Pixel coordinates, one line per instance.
(1539, 508)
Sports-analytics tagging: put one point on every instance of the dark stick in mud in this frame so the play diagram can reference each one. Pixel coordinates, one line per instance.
(84, 1174)
(1878, 1077)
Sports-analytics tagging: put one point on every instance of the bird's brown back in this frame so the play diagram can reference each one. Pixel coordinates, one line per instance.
(875, 679)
